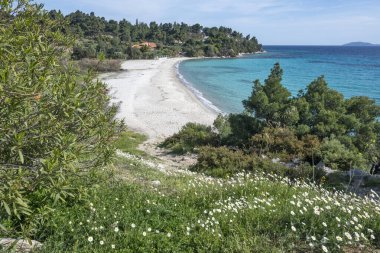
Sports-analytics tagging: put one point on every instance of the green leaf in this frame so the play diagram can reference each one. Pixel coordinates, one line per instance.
(7, 209)
(21, 156)
(2, 228)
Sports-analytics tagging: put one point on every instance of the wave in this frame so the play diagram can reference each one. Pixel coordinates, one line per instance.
(196, 92)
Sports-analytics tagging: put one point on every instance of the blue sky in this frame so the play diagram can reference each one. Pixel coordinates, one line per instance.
(273, 22)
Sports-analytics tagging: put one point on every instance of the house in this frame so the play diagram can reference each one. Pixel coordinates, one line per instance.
(150, 45)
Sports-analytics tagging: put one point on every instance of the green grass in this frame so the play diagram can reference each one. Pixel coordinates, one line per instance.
(129, 142)
(194, 213)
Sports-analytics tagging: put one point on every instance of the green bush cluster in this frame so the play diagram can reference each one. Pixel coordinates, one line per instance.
(224, 162)
(191, 136)
(101, 65)
(53, 124)
(318, 125)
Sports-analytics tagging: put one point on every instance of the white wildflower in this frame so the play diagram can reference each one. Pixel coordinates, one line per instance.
(349, 237)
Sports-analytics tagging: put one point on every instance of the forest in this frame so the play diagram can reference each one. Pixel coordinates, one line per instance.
(122, 39)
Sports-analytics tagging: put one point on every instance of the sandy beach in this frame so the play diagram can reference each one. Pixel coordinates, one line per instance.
(153, 99)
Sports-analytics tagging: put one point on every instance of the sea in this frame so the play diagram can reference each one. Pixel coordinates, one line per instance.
(222, 84)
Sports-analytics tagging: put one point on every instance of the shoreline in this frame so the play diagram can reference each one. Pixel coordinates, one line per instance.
(153, 98)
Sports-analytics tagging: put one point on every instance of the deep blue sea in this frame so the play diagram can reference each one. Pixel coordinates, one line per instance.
(224, 83)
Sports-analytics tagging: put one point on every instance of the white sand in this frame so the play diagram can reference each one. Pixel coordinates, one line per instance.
(153, 99)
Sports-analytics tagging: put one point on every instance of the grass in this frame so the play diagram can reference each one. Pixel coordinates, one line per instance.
(129, 142)
(125, 211)
(189, 212)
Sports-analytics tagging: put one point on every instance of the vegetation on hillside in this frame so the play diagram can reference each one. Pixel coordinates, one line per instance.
(318, 124)
(120, 39)
(189, 212)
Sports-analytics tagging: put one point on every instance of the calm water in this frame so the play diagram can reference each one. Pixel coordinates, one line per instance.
(224, 83)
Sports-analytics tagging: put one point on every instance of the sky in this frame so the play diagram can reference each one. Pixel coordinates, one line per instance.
(273, 22)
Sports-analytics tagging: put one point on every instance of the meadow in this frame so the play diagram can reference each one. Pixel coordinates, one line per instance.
(140, 205)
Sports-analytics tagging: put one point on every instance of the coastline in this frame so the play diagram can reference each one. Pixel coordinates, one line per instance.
(154, 100)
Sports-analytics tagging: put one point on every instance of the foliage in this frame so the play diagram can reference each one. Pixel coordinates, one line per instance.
(317, 125)
(270, 102)
(194, 213)
(223, 162)
(86, 65)
(53, 126)
(351, 125)
(129, 142)
(337, 156)
(116, 39)
(191, 136)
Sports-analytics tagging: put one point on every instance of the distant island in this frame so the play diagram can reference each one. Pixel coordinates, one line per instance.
(360, 44)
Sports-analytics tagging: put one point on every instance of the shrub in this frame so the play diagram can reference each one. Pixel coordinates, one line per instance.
(337, 156)
(241, 126)
(99, 66)
(52, 126)
(277, 140)
(191, 136)
(223, 162)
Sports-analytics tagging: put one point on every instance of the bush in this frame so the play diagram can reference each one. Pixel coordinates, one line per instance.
(191, 136)
(52, 126)
(277, 140)
(241, 127)
(99, 66)
(337, 156)
(223, 162)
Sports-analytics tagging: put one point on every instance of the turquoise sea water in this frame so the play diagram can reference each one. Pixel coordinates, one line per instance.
(224, 83)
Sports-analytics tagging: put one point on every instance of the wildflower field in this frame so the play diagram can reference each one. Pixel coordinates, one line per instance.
(188, 212)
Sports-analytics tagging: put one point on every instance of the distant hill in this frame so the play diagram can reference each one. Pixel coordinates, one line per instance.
(126, 40)
(360, 44)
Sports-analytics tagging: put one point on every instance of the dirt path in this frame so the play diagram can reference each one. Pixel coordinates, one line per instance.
(175, 162)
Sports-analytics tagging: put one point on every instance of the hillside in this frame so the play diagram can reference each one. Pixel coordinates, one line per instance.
(124, 40)
(360, 44)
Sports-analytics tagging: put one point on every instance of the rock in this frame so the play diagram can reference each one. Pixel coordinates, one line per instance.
(276, 160)
(357, 173)
(328, 170)
(156, 183)
(19, 245)
(321, 166)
